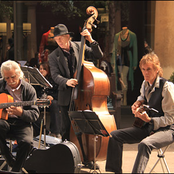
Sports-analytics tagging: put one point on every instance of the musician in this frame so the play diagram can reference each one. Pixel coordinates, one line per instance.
(63, 61)
(19, 120)
(157, 130)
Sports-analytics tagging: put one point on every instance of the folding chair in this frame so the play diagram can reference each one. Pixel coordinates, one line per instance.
(161, 158)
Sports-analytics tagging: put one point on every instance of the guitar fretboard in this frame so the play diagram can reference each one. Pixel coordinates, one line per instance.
(22, 103)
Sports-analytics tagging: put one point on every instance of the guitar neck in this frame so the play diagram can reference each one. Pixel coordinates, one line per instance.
(21, 103)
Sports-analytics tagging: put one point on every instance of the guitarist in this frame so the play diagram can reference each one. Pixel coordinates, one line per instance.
(158, 130)
(18, 125)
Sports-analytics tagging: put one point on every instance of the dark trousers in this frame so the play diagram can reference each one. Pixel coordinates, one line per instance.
(66, 123)
(159, 139)
(55, 119)
(20, 131)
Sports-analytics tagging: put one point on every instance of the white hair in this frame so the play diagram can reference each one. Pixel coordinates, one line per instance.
(10, 64)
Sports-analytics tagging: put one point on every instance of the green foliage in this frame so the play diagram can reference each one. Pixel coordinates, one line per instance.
(6, 9)
(72, 8)
(172, 78)
(125, 10)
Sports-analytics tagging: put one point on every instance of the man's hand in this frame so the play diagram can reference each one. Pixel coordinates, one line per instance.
(143, 116)
(12, 110)
(72, 82)
(87, 35)
(136, 105)
(49, 97)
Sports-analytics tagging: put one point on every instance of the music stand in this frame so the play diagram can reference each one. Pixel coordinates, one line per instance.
(36, 78)
(89, 123)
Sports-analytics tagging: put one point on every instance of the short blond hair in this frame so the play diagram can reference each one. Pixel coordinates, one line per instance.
(153, 58)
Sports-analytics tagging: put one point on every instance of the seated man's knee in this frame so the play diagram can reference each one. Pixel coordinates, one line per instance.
(4, 126)
(115, 135)
(144, 145)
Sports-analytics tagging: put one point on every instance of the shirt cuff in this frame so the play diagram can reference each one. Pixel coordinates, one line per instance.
(94, 43)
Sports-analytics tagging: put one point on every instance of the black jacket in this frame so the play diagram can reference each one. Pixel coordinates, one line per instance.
(60, 71)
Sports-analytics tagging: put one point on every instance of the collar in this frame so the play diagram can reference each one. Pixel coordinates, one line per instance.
(70, 47)
(156, 85)
(7, 86)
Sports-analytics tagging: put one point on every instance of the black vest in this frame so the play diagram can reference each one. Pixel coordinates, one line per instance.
(156, 100)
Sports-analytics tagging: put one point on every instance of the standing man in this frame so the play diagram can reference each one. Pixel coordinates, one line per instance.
(63, 61)
(19, 123)
(157, 130)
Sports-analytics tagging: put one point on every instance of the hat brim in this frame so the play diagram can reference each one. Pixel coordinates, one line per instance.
(70, 33)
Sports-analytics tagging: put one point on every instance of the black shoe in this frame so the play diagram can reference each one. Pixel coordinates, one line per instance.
(90, 165)
(10, 159)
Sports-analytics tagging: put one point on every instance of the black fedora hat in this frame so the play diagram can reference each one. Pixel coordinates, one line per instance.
(61, 29)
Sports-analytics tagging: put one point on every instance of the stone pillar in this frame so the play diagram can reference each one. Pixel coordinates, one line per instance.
(164, 40)
(18, 31)
(32, 42)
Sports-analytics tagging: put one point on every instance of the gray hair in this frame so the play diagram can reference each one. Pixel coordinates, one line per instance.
(10, 64)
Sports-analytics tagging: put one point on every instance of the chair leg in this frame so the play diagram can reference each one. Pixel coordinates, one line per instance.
(161, 158)
(23, 169)
(3, 165)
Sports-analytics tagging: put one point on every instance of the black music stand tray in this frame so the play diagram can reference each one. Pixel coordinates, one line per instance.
(89, 123)
(36, 78)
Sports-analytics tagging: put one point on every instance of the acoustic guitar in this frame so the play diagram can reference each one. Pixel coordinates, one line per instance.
(138, 121)
(7, 100)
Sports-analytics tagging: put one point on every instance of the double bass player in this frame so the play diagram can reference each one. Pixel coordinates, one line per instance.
(63, 62)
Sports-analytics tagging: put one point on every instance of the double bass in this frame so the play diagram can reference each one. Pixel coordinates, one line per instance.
(91, 94)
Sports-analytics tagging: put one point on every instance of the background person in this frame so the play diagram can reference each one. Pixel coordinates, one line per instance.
(51, 94)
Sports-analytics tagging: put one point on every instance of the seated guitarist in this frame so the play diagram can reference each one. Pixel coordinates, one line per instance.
(157, 130)
(18, 124)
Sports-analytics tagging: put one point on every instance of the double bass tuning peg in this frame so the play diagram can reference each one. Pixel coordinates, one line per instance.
(97, 21)
(95, 26)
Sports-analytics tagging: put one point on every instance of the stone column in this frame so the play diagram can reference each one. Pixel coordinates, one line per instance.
(18, 31)
(164, 36)
(32, 42)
